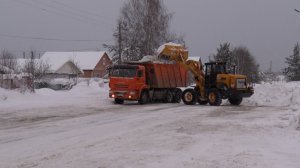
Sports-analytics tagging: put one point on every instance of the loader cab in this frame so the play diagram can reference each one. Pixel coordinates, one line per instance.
(212, 69)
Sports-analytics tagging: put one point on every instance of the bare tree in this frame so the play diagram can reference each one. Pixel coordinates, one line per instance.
(35, 69)
(142, 27)
(8, 62)
(239, 57)
(245, 63)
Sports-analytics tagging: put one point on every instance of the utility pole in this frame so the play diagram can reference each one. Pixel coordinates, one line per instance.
(271, 66)
(120, 43)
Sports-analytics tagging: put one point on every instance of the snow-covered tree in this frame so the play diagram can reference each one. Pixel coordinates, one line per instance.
(142, 27)
(292, 71)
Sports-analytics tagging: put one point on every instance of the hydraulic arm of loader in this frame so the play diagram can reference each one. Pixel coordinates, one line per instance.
(180, 55)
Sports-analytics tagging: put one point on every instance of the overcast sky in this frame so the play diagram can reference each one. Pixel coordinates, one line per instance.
(269, 28)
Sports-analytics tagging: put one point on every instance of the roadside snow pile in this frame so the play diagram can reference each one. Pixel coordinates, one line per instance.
(2, 95)
(83, 94)
(275, 94)
(280, 94)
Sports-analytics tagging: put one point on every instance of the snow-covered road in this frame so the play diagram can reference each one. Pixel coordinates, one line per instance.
(155, 135)
(83, 128)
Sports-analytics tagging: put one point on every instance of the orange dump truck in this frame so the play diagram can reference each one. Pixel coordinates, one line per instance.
(147, 82)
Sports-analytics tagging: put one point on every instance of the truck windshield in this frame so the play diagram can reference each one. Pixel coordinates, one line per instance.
(130, 73)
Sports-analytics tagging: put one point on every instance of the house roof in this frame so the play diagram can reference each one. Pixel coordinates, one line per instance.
(85, 60)
(4, 69)
(195, 58)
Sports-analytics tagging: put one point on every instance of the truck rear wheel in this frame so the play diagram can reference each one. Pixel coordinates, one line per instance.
(144, 99)
(189, 97)
(235, 99)
(119, 101)
(177, 96)
(168, 97)
(214, 97)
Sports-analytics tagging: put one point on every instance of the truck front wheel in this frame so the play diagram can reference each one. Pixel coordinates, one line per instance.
(144, 99)
(189, 97)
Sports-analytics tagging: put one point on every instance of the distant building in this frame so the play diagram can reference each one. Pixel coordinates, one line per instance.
(83, 64)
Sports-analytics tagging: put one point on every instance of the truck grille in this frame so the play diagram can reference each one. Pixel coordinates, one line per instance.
(121, 86)
(241, 83)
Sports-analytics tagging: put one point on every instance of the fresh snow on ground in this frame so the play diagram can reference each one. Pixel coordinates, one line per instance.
(83, 128)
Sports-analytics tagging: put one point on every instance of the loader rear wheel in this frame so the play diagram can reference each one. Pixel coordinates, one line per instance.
(214, 97)
(189, 97)
(119, 101)
(177, 96)
(235, 99)
(144, 99)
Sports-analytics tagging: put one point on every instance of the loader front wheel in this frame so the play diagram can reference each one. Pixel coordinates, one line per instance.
(235, 99)
(189, 97)
(214, 97)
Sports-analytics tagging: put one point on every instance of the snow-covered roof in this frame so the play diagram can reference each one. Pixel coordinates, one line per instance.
(6, 69)
(85, 60)
(195, 58)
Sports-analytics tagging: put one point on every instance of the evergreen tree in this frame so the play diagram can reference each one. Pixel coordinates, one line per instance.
(224, 54)
(292, 71)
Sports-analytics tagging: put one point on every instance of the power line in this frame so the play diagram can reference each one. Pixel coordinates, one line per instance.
(94, 15)
(61, 10)
(51, 39)
(58, 11)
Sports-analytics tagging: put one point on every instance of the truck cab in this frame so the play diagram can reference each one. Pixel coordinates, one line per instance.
(126, 82)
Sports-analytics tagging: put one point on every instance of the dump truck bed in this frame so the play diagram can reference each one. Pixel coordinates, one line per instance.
(166, 75)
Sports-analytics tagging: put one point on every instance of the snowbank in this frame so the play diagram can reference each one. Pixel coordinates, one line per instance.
(91, 93)
(278, 94)
(275, 94)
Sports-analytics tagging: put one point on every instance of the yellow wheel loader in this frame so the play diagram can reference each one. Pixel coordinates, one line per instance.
(213, 82)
